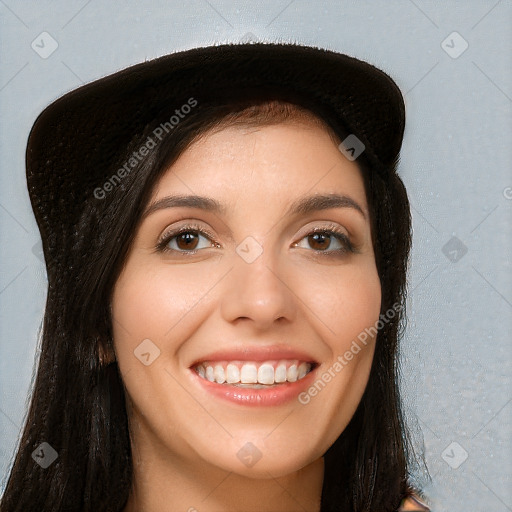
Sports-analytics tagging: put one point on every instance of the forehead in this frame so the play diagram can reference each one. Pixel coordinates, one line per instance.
(277, 161)
(263, 169)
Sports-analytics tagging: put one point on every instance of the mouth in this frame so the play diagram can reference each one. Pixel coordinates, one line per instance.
(253, 377)
(254, 374)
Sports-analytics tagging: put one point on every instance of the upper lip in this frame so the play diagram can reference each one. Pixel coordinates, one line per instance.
(257, 354)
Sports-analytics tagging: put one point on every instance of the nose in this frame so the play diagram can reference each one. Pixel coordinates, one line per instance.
(258, 294)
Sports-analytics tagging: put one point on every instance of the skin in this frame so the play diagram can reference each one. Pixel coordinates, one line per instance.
(184, 440)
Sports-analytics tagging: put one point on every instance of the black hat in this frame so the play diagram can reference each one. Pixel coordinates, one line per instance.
(74, 144)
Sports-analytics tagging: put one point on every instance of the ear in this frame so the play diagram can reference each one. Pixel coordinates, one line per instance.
(106, 351)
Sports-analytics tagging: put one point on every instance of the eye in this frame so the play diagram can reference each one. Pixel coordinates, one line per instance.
(322, 240)
(186, 239)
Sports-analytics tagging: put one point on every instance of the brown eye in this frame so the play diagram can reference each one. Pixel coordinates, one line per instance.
(187, 240)
(319, 241)
(327, 241)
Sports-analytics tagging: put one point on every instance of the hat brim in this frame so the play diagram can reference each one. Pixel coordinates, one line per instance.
(73, 144)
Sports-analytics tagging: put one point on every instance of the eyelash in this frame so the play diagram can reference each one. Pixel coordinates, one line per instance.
(332, 230)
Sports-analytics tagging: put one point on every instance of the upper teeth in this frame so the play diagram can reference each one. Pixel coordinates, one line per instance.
(249, 372)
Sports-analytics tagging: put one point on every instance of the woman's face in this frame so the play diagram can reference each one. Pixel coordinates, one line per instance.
(251, 298)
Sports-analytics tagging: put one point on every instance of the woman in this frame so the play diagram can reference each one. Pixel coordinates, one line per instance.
(226, 241)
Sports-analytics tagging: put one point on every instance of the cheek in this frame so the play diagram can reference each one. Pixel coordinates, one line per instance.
(346, 300)
(160, 304)
(150, 304)
(348, 305)
(359, 302)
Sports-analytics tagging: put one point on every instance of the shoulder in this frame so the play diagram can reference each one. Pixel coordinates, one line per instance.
(413, 504)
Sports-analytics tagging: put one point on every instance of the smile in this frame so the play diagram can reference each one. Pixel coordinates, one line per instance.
(253, 374)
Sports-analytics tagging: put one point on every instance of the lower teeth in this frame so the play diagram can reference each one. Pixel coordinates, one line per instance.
(253, 386)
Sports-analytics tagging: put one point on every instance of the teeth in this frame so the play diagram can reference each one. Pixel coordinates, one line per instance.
(252, 374)
(232, 373)
(302, 370)
(291, 373)
(280, 373)
(266, 374)
(249, 374)
(218, 373)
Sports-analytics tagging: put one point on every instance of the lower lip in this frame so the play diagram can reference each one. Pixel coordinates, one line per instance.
(275, 395)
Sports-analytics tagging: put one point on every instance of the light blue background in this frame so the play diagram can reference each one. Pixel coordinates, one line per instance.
(456, 164)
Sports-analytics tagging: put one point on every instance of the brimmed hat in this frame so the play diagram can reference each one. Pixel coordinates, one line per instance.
(75, 142)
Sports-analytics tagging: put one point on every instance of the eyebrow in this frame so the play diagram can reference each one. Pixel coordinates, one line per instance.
(200, 202)
(305, 205)
(302, 206)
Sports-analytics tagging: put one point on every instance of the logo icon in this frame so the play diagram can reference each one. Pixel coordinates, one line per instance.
(44, 45)
(44, 455)
(454, 249)
(249, 37)
(454, 455)
(249, 249)
(351, 147)
(454, 45)
(249, 454)
(146, 352)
